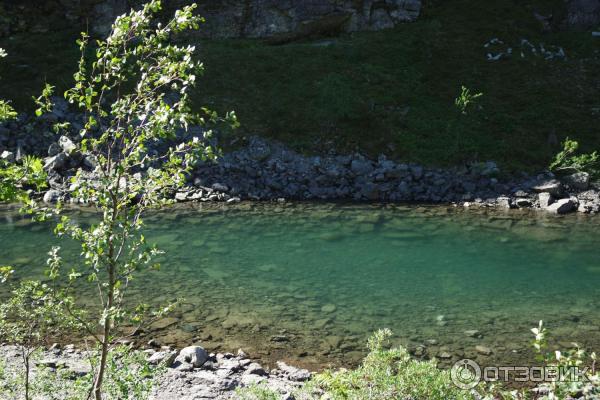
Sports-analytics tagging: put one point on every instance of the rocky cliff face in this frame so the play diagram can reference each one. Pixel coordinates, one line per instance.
(269, 18)
(583, 14)
(225, 18)
(277, 19)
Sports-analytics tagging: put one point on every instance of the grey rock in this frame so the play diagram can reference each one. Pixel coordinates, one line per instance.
(219, 187)
(293, 373)
(56, 163)
(90, 161)
(483, 350)
(181, 196)
(165, 358)
(54, 149)
(67, 145)
(545, 199)
(194, 355)
(521, 193)
(361, 167)
(553, 187)
(52, 196)
(255, 369)
(473, 333)
(417, 171)
(504, 202)
(578, 180)
(562, 206)
(523, 203)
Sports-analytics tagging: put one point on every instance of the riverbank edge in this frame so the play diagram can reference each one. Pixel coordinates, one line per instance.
(190, 372)
(265, 170)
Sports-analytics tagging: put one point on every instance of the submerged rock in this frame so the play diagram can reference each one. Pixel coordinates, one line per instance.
(483, 350)
(328, 308)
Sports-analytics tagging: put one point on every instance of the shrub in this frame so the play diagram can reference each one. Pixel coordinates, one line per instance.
(567, 161)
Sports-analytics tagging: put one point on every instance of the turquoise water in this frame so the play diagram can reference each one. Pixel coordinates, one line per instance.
(308, 283)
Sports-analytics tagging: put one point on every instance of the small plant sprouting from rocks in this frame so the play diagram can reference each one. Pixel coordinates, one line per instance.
(567, 160)
(465, 99)
(463, 103)
(134, 96)
(128, 376)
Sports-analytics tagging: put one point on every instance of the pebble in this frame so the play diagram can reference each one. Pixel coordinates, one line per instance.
(483, 350)
(328, 308)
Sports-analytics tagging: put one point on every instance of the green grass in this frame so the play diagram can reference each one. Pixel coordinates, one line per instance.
(386, 92)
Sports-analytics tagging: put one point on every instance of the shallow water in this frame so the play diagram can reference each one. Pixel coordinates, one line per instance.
(308, 283)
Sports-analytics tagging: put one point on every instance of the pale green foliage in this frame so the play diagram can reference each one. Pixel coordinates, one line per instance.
(562, 389)
(385, 374)
(256, 392)
(568, 160)
(32, 317)
(16, 179)
(6, 111)
(128, 376)
(43, 101)
(134, 96)
(466, 98)
(389, 374)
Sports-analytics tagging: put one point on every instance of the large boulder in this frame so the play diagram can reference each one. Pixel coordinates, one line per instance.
(194, 355)
(553, 187)
(562, 206)
(578, 180)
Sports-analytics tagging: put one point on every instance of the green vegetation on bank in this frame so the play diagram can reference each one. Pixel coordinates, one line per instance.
(388, 91)
(390, 374)
(568, 161)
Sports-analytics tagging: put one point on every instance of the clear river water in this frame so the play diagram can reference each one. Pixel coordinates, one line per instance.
(308, 283)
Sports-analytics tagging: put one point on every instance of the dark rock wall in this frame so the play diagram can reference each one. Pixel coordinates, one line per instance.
(583, 14)
(225, 18)
(278, 19)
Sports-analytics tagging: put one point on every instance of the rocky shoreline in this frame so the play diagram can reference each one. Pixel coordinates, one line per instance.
(263, 170)
(191, 373)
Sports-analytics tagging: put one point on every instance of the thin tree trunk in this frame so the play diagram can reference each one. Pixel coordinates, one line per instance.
(26, 358)
(109, 304)
(106, 338)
